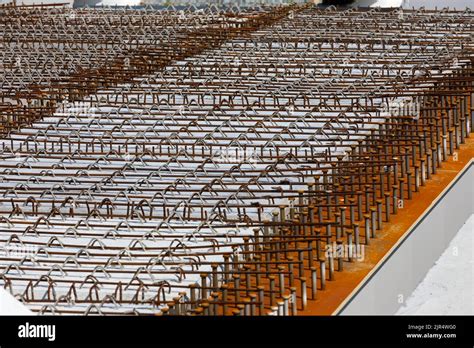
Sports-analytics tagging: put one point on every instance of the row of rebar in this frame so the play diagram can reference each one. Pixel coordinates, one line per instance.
(233, 165)
(60, 54)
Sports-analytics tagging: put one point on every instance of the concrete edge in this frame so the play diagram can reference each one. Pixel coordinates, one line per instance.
(386, 287)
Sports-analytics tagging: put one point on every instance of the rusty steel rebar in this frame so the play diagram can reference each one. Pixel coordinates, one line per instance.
(208, 162)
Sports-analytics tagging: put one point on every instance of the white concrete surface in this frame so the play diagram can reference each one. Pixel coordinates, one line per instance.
(429, 4)
(448, 288)
(378, 3)
(10, 306)
(119, 3)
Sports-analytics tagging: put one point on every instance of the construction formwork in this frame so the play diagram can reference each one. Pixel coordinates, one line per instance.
(216, 161)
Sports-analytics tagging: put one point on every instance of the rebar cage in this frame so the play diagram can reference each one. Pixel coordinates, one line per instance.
(213, 161)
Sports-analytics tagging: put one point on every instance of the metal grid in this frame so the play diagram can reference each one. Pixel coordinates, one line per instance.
(212, 178)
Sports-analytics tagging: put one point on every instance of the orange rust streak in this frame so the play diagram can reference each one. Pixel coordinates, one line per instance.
(354, 273)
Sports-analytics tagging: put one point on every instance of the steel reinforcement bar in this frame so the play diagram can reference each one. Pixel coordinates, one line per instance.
(208, 162)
